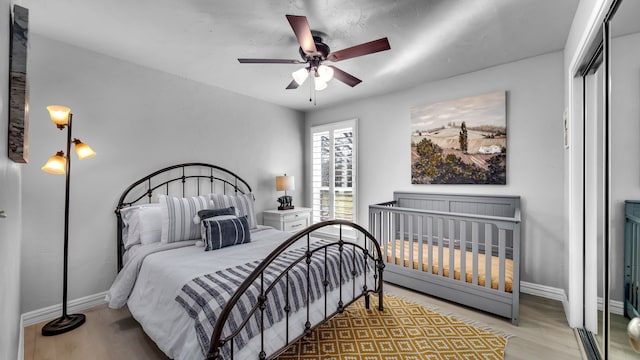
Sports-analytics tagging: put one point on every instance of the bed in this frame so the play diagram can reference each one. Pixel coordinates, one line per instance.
(204, 280)
(462, 248)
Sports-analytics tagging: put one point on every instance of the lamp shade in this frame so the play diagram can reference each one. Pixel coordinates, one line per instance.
(83, 150)
(325, 72)
(319, 83)
(57, 164)
(59, 114)
(300, 75)
(285, 183)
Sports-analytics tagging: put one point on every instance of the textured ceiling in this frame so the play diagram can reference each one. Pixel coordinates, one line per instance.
(202, 39)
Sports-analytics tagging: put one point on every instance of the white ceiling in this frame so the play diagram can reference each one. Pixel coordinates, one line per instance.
(202, 39)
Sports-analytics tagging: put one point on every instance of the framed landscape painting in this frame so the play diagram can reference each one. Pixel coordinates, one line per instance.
(461, 141)
(18, 144)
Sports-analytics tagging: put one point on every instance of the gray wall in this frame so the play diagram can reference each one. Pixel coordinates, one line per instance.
(534, 157)
(137, 120)
(11, 203)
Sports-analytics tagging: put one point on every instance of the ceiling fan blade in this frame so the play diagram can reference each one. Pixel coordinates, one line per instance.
(359, 50)
(301, 28)
(270, 61)
(292, 85)
(345, 77)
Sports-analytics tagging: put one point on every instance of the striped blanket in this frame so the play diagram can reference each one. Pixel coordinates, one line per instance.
(204, 297)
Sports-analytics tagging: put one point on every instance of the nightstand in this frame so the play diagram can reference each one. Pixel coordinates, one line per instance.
(288, 220)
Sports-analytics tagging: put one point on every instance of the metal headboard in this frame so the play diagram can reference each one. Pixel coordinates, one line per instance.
(189, 179)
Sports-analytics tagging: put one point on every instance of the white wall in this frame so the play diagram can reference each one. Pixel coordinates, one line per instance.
(137, 120)
(534, 156)
(625, 147)
(11, 203)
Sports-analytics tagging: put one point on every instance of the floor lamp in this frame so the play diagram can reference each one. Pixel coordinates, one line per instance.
(61, 164)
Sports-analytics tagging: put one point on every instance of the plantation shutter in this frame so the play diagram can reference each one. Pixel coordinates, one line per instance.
(333, 171)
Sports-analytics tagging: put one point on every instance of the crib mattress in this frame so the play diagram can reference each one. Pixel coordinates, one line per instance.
(495, 263)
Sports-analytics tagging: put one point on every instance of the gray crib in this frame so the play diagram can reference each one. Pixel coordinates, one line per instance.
(423, 236)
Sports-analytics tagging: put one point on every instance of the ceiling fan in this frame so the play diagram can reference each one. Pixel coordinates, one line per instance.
(314, 52)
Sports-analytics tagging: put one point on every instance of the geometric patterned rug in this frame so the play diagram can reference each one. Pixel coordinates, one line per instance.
(404, 330)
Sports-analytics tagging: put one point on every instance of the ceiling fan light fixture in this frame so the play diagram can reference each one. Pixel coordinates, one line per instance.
(300, 75)
(319, 83)
(325, 73)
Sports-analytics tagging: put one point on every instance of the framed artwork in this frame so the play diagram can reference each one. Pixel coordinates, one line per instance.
(18, 87)
(462, 141)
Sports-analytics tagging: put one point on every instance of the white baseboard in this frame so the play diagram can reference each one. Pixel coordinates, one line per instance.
(615, 307)
(546, 292)
(54, 311)
(543, 291)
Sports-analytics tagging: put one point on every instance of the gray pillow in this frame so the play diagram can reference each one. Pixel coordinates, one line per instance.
(207, 213)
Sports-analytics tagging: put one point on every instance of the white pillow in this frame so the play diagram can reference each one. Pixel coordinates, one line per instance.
(131, 223)
(150, 225)
(177, 217)
(243, 204)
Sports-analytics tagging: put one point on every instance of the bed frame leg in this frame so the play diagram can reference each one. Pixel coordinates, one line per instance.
(366, 301)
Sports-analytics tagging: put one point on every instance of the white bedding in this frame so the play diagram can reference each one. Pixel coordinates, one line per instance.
(154, 285)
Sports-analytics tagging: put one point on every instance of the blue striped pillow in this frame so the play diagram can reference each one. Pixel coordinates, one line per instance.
(177, 217)
(226, 232)
(243, 204)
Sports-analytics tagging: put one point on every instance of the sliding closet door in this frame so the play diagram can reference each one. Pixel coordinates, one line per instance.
(594, 201)
(611, 77)
(625, 158)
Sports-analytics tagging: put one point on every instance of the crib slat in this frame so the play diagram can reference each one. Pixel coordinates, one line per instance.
(501, 260)
(440, 244)
(488, 235)
(452, 249)
(402, 242)
(420, 242)
(385, 234)
(463, 251)
(410, 240)
(430, 241)
(636, 284)
(633, 280)
(391, 236)
(634, 263)
(475, 239)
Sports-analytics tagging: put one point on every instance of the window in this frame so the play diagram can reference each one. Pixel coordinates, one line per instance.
(333, 152)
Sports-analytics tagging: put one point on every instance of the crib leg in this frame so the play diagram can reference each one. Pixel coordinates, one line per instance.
(366, 301)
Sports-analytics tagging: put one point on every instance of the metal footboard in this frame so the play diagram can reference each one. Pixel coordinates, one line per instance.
(365, 248)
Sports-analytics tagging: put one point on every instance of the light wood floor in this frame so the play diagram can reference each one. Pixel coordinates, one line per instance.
(113, 334)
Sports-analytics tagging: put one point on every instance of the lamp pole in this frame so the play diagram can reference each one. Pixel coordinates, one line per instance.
(65, 322)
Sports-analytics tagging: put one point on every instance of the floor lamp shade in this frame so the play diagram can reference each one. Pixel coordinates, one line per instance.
(57, 164)
(59, 114)
(60, 163)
